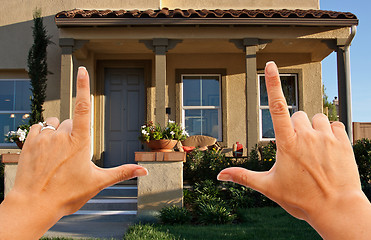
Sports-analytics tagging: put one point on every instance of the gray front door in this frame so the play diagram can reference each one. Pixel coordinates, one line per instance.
(124, 114)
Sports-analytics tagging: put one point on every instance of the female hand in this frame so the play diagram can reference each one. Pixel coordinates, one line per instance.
(55, 175)
(315, 177)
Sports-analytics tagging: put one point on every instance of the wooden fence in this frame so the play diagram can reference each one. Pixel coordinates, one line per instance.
(361, 130)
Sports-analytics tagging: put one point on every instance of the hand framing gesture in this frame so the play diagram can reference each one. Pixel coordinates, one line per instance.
(315, 177)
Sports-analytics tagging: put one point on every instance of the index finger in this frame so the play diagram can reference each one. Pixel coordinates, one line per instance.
(277, 104)
(81, 117)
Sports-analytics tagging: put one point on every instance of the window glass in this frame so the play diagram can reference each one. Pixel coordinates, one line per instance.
(202, 122)
(267, 124)
(22, 93)
(288, 82)
(6, 95)
(263, 92)
(201, 105)
(288, 87)
(210, 91)
(191, 91)
(14, 105)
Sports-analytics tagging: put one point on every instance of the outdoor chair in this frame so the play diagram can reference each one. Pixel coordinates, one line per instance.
(198, 141)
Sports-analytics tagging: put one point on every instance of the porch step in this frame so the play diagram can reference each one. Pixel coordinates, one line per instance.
(112, 201)
(106, 212)
(118, 191)
(111, 204)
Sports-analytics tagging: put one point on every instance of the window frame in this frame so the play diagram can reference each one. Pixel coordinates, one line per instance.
(295, 108)
(13, 145)
(219, 108)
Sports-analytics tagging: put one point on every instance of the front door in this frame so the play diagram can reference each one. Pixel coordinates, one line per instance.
(124, 114)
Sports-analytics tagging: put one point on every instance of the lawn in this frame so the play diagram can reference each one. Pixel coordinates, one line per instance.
(257, 223)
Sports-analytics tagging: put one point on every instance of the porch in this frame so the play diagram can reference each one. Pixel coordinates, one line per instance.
(234, 48)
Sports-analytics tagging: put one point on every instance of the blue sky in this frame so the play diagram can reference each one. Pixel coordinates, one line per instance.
(360, 51)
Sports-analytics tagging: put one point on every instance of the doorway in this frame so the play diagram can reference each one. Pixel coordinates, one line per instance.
(124, 91)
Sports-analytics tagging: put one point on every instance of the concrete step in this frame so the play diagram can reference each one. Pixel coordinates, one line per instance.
(111, 204)
(118, 191)
(97, 213)
(93, 224)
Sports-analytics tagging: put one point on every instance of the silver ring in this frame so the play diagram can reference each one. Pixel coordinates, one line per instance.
(46, 126)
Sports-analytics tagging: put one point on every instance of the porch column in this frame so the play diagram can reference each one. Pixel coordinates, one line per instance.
(160, 48)
(252, 108)
(67, 45)
(344, 88)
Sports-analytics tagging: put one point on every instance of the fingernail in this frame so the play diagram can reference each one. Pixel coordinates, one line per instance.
(140, 172)
(81, 73)
(224, 177)
(271, 69)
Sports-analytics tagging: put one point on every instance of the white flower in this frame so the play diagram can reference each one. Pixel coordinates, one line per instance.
(185, 133)
(22, 137)
(172, 132)
(171, 121)
(144, 132)
(144, 126)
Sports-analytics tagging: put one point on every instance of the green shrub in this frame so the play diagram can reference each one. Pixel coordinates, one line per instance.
(268, 156)
(204, 165)
(206, 192)
(216, 202)
(206, 187)
(147, 232)
(188, 196)
(211, 213)
(175, 215)
(362, 153)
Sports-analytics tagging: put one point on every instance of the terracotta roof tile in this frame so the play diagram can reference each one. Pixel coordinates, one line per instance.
(204, 13)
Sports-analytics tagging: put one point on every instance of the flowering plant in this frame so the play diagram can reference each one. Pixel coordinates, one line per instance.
(150, 131)
(18, 136)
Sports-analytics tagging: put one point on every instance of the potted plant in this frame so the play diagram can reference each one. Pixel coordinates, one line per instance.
(18, 136)
(162, 140)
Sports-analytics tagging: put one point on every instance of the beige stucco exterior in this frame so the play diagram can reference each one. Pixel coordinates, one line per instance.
(297, 50)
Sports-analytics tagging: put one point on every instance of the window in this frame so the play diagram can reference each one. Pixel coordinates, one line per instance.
(14, 105)
(289, 86)
(202, 104)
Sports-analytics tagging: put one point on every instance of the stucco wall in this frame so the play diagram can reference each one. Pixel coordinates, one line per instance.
(241, 4)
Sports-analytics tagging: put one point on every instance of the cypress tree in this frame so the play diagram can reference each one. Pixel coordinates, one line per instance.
(38, 68)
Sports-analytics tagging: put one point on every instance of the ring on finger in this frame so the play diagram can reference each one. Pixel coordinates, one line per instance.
(45, 125)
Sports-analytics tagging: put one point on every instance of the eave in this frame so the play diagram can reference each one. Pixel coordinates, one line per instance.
(105, 22)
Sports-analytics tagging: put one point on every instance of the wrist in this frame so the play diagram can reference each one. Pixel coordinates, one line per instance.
(30, 213)
(336, 218)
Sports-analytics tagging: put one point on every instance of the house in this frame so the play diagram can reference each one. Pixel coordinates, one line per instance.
(199, 63)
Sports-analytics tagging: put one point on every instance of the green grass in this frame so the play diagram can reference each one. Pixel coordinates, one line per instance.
(257, 223)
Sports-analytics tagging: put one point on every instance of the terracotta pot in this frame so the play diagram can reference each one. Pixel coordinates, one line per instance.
(163, 145)
(19, 144)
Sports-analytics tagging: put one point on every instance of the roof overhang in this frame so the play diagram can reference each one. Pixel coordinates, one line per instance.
(204, 17)
(86, 22)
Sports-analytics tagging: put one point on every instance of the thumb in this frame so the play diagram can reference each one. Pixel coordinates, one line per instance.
(110, 176)
(248, 178)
